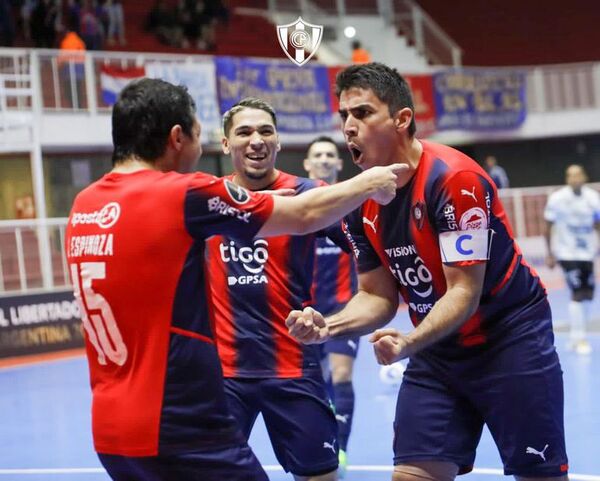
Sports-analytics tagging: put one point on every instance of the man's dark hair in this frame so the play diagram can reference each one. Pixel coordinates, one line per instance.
(322, 138)
(145, 113)
(356, 44)
(385, 82)
(247, 103)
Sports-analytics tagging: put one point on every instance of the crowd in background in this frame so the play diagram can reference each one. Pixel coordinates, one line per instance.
(188, 24)
(42, 23)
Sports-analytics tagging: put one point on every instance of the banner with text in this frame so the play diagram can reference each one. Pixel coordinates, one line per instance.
(199, 78)
(36, 323)
(479, 99)
(301, 97)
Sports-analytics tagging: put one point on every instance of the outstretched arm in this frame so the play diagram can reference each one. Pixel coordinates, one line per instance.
(319, 208)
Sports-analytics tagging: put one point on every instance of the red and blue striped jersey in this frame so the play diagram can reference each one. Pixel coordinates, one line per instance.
(254, 286)
(135, 247)
(334, 280)
(450, 213)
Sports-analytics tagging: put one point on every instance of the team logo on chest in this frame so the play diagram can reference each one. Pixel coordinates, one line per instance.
(418, 213)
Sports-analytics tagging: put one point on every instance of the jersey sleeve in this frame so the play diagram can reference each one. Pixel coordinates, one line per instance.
(217, 206)
(337, 235)
(550, 211)
(596, 208)
(364, 253)
(462, 218)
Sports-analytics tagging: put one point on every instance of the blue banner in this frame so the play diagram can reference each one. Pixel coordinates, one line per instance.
(479, 99)
(300, 96)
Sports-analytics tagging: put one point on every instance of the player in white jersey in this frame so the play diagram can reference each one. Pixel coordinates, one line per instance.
(572, 214)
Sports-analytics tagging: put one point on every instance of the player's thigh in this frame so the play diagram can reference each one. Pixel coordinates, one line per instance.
(519, 390)
(425, 471)
(301, 425)
(241, 401)
(433, 422)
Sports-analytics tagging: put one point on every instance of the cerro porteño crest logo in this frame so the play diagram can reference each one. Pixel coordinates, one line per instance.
(299, 40)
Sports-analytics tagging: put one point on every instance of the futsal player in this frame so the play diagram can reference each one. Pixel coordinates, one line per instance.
(334, 283)
(482, 349)
(135, 243)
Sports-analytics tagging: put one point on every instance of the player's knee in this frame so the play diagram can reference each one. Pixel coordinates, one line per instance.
(341, 369)
(340, 375)
(425, 471)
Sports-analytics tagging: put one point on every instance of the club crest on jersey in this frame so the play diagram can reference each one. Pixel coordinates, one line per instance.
(473, 219)
(418, 212)
(238, 194)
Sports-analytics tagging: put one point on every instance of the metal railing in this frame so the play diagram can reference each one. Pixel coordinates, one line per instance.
(32, 255)
(427, 36)
(23, 264)
(550, 88)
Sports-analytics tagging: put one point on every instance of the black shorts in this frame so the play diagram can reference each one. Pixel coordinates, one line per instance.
(580, 279)
(298, 417)
(233, 463)
(515, 388)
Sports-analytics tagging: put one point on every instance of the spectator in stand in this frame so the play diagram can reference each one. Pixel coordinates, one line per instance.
(73, 15)
(163, 21)
(497, 173)
(71, 60)
(359, 53)
(7, 27)
(90, 26)
(26, 9)
(116, 22)
(43, 24)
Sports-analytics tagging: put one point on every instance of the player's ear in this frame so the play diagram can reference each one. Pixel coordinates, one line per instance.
(402, 119)
(175, 138)
(225, 145)
(306, 165)
(278, 144)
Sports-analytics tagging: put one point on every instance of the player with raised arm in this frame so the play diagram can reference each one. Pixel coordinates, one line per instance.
(135, 245)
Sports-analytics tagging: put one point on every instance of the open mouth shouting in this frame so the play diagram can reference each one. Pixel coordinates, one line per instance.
(356, 152)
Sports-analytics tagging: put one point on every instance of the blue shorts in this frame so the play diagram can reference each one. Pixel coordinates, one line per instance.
(298, 417)
(235, 463)
(516, 388)
(348, 347)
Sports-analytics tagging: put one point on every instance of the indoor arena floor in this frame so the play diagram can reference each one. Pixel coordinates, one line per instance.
(45, 419)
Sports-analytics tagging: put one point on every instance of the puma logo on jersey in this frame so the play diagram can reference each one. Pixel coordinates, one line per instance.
(343, 419)
(536, 452)
(371, 223)
(330, 445)
(469, 193)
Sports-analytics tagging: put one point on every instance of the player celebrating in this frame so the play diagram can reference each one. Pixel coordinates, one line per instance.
(334, 283)
(135, 248)
(482, 348)
(254, 285)
(574, 210)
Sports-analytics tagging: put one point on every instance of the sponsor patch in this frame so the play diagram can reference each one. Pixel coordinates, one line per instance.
(104, 218)
(238, 194)
(473, 219)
